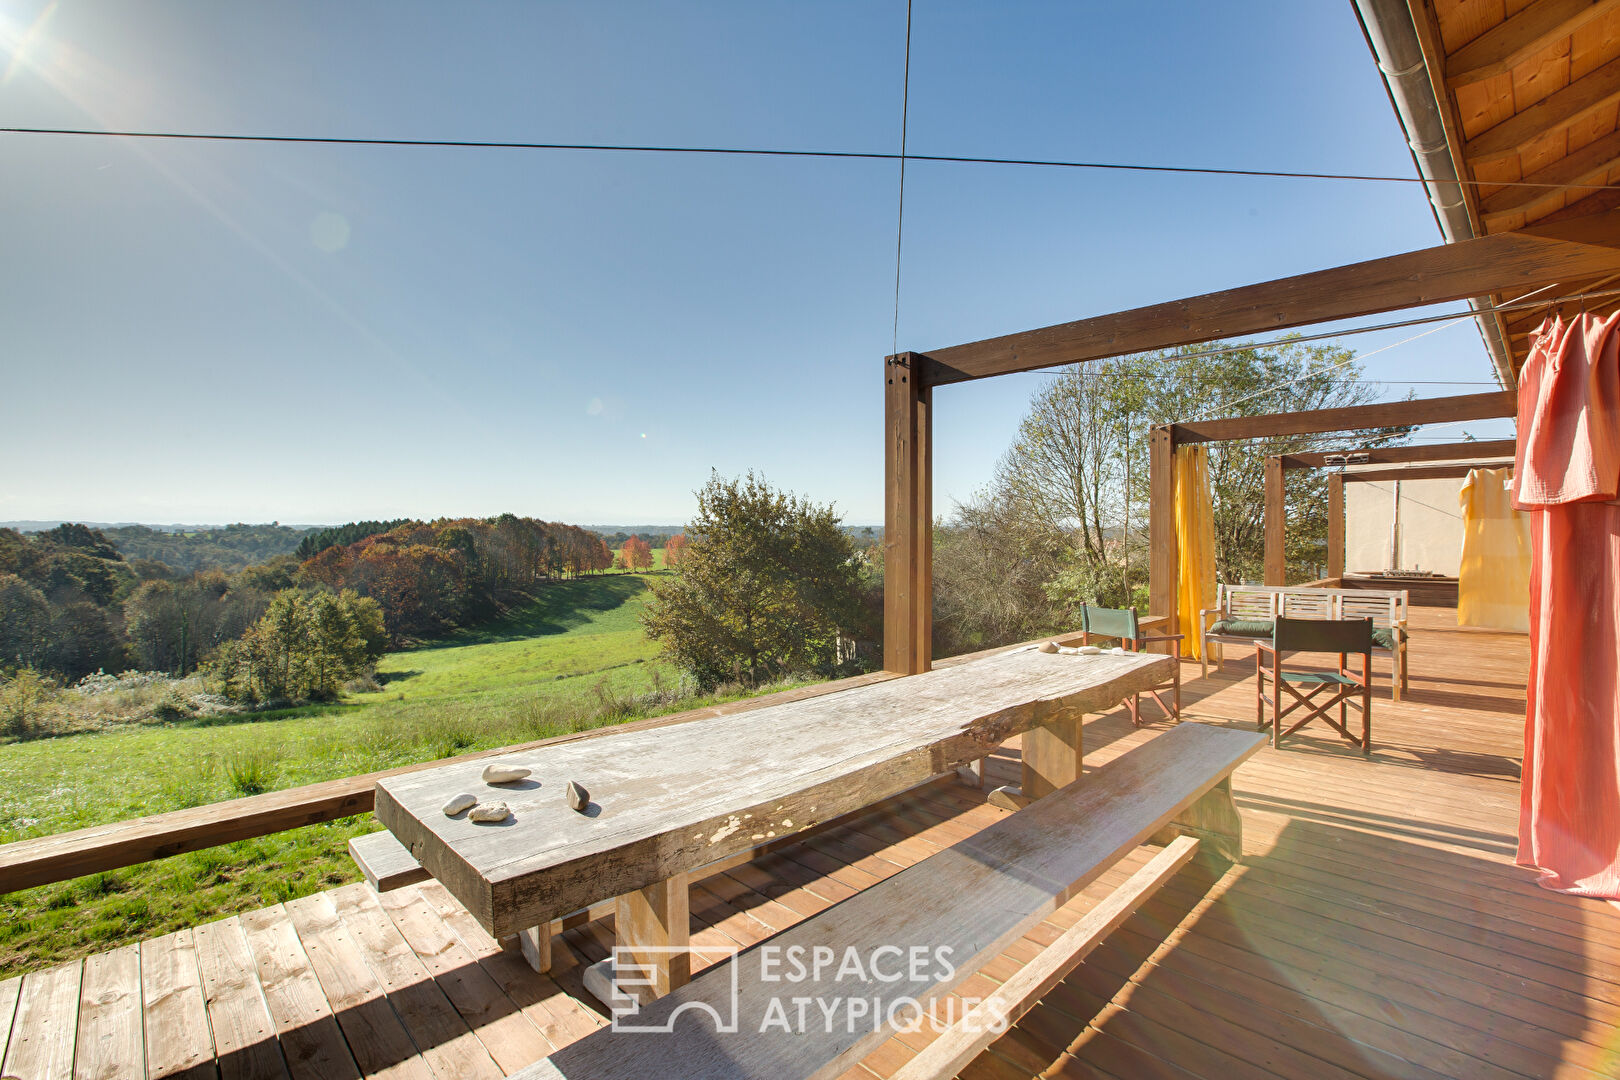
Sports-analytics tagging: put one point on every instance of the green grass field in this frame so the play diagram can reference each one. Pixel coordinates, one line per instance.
(575, 658)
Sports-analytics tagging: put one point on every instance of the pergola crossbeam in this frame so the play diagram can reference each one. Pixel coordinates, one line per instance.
(1522, 260)
(1447, 410)
(1450, 471)
(1390, 455)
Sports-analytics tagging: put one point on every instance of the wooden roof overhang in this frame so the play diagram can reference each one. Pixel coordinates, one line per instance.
(1529, 90)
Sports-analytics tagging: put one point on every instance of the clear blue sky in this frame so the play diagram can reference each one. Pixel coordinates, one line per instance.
(216, 332)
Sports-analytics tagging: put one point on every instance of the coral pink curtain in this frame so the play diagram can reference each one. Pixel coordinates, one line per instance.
(1566, 476)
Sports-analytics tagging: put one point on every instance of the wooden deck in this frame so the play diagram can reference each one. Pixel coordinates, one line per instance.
(1378, 928)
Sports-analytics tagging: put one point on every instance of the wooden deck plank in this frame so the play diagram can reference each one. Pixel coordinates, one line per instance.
(45, 1024)
(109, 1044)
(445, 1041)
(174, 1011)
(311, 1040)
(10, 990)
(560, 1018)
(244, 1035)
(511, 1038)
(373, 1031)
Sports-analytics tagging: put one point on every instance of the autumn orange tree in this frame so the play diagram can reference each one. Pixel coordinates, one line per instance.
(674, 550)
(637, 554)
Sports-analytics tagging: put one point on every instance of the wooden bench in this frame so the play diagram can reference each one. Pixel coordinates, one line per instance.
(385, 862)
(960, 908)
(1245, 614)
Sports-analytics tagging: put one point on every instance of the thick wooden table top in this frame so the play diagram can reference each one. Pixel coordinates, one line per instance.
(671, 799)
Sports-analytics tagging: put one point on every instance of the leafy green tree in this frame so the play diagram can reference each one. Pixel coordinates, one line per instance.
(84, 640)
(25, 624)
(303, 648)
(1064, 521)
(768, 584)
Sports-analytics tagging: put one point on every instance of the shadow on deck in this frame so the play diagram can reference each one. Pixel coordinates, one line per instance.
(1377, 928)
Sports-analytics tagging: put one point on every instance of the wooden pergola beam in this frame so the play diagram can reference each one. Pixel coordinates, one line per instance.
(908, 522)
(1520, 260)
(1445, 410)
(1335, 536)
(1390, 455)
(1276, 522)
(1452, 471)
(1508, 43)
(1164, 554)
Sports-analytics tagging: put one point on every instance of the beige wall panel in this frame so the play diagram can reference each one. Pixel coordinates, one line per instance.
(1431, 525)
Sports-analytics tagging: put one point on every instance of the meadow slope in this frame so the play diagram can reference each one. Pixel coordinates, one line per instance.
(575, 658)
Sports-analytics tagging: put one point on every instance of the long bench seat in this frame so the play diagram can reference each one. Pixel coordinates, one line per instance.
(959, 908)
(1246, 614)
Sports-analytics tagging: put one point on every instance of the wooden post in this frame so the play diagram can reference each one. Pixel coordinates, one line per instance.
(1163, 554)
(1214, 819)
(908, 520)
(659, 916)
(1335, 537)
(1052, 756)
(1276, 567)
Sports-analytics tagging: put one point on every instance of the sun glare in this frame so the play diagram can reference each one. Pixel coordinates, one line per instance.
(21, 44)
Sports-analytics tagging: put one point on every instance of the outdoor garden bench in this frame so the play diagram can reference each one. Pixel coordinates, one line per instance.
(959, 908)
(1246, 614)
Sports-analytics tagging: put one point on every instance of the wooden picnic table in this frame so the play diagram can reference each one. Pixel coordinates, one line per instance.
(667, 801)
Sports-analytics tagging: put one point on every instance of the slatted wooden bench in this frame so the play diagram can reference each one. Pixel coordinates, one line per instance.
(1246, 613)
(961, 907)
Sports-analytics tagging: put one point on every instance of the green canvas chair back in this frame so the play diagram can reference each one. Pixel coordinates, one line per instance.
(1323, 635)
(1109, 622)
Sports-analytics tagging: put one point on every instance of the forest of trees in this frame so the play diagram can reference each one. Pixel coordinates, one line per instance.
(71, 603)
(431, 578)
(230, 548)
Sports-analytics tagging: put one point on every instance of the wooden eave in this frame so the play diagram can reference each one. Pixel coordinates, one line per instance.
(1529, 90)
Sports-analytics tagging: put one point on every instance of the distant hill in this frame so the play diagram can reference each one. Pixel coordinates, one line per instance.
(229, 548)
(46, 526)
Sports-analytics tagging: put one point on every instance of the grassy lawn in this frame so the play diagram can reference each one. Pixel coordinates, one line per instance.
(576, 658)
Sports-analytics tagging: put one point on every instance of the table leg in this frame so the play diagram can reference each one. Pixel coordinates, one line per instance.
(536, 944)
(1052, 756)
(652, 928)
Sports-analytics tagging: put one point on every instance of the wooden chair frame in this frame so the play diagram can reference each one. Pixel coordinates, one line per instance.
(1344, 686)
(1386, 607)
(1121, 624)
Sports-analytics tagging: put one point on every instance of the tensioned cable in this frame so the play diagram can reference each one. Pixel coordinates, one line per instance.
(900, 213)
(872, 155)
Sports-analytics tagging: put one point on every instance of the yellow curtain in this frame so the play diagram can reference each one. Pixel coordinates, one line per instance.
(1493, 581)
(1195, 539)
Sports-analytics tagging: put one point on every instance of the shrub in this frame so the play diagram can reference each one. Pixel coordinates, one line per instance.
(24, 699)
(250, 770)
